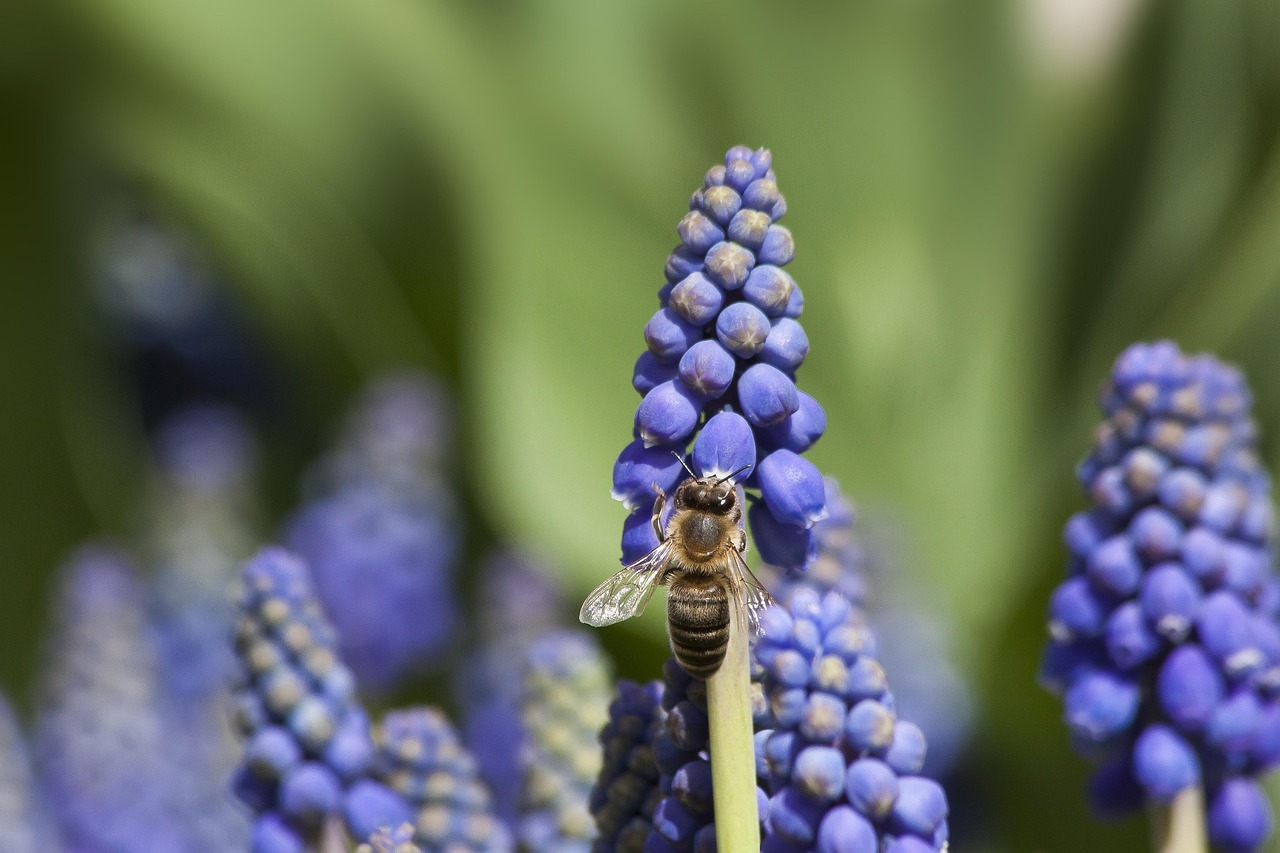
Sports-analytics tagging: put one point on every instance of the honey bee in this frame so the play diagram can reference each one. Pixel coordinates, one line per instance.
(699, 559)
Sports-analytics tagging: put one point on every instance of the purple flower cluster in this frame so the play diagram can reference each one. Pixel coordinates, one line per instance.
(837, 555)
(564, 704)
(308, 754)
(518, 603)
(1164, 638)
(400, 430)
(24, 825)
(928, 686)
(398, 840)
(627, 790)
(720, 367)
(837, 770)
(382, 537)
(103, 748)
(420, 757)
(683, 818)
(201, 533)
(201, 514)
(841, 769)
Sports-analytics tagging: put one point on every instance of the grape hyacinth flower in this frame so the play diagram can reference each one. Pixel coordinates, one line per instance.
(518, 603)
(201, 533)
(837, 560)
(207, 451)
(400, 430)
(420, 757)
(842, 770)
(837, 769)
(912, 643)
(382, 537)
(25, 826)
(1164, 639)
(718, 379)
(627, 791)
(563, 707)
(201, 519)
(398, 840)
(719, 371)
(103, 750)
(308, 752)
(683, 816)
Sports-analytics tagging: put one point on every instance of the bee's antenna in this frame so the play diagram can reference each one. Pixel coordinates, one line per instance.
(734, 473)
(685, 464)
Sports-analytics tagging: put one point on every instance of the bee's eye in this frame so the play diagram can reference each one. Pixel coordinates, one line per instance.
(724, 501)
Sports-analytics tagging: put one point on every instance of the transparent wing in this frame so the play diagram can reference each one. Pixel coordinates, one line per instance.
(627, 592)
(754, 597)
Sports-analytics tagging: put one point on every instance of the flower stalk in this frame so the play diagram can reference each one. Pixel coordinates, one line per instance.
(733, 767)
(1178, 826)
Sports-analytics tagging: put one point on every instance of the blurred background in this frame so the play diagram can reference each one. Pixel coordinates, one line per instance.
(267, 205)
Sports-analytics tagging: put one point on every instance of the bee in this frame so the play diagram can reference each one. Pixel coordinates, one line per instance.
(699, 559)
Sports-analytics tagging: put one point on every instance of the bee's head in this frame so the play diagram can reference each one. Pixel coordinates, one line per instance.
(708, 495)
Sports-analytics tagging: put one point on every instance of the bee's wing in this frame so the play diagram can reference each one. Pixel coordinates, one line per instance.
(627, 592)
(754, 597)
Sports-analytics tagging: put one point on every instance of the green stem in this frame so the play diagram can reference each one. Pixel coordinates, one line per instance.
(1179, 826)
(733, 762)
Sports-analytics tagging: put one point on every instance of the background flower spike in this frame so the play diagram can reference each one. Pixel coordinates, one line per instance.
(308, 754)
(1161, 635)
(563, 707)
(421, 758)
(381, 532)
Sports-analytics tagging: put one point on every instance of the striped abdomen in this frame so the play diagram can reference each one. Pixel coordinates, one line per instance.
(698, 623)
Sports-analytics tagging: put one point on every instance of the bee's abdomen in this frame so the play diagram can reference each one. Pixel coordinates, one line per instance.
(698, 624)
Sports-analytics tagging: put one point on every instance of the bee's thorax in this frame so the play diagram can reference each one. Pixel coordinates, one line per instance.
(701, 534)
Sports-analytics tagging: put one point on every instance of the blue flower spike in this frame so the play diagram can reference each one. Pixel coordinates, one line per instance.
(388, 840)
(1163, 636)
(421, 758)
(308, 753)
(101, 747)
(841, 769)
(719, 372)
(627, 791)
(677, 809)
(563, 708)
(382, 535)
(202, 524)
(25, 826)
(718, 384)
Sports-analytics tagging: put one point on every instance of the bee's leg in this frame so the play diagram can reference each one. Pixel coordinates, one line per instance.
(739, 540)
(658, 505)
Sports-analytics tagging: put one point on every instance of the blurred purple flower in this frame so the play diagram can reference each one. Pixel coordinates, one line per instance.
(563, 705)
(25, 826)
(398, 840)
(518, 602)
(383, 536)
(1164, 637)
(308, 753)
(628, 788)
(106, 758)
(420, 757)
